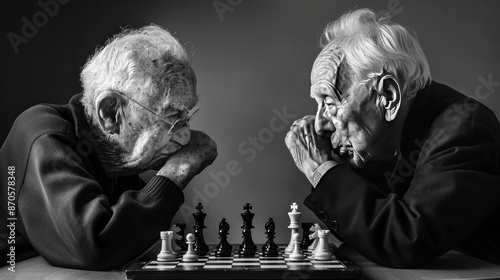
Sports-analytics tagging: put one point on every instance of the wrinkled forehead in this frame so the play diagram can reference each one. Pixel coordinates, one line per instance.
(325, 69)
(177, 86)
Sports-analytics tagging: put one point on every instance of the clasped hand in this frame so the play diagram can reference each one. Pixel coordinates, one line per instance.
(308, 149)
(189, 161)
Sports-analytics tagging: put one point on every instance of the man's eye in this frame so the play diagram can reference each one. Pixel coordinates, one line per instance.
(329, 102)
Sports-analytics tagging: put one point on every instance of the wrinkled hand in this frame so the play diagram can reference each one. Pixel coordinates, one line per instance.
(308, 149)
(189, 161)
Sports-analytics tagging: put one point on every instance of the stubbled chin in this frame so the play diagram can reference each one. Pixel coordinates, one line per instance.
(353, 160)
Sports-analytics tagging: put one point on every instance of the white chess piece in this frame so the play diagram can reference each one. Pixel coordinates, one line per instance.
(314, 236)
(322, 252)
(166, 253)
(175, 248)
(294, 225)
(296, 254)
(190, 256)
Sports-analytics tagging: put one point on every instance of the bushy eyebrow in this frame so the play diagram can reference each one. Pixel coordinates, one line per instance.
(176, 108)
(171, 103)
(315, 93)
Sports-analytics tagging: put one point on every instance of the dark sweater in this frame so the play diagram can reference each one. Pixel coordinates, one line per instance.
(67, 209)
(445, 193)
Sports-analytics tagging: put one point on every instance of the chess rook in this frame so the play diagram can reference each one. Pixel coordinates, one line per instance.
(166, 253)
(294, 225)
(322, 252)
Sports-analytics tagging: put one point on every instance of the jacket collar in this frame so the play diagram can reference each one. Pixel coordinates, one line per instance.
(82, 128)
(86, 144)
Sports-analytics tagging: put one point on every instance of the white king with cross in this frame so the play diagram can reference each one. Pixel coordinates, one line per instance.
(294, 225)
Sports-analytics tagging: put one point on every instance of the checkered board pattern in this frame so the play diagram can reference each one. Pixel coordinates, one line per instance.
(257, 261)
(258, 266)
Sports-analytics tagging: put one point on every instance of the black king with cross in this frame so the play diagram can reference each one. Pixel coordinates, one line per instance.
(247, 248)
(200, 247)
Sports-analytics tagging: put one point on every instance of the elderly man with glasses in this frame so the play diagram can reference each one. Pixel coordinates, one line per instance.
(70, 173)
(403, 168)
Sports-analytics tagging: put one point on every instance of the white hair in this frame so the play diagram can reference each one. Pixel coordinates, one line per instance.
(372, 45)
(127, 64)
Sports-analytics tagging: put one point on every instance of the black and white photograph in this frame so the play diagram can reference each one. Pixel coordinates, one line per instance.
(250, 139)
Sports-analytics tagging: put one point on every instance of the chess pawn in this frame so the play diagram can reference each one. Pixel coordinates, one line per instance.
(166, 253)
(190, 255)
(322, 252)
(294, 225)
(296, 254)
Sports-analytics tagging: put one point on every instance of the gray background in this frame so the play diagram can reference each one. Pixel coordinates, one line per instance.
(249, 60)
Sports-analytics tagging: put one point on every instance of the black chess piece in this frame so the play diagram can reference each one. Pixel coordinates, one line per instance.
(223, 249)
(306, 230)
(200, 247)
(181, 242)
(270, 249)
(248, 247)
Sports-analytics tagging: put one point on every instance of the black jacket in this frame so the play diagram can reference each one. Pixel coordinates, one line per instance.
(64, 206)
(443, 195)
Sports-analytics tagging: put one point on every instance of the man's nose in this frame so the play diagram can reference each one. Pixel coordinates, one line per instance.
(322, 125)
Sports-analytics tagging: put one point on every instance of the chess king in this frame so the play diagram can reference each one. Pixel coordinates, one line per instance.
(403, 168)
(79, 200)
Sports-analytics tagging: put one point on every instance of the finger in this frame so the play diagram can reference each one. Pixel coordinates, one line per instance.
(296, 122)
(308, 118)
(310, 128)
(290, 135)
(292, 139)
(309, 143)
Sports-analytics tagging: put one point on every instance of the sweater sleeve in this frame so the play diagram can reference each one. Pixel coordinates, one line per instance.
(69, 220)
(455, 188)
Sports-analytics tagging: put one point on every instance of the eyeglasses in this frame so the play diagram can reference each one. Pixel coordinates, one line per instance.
(174, 127)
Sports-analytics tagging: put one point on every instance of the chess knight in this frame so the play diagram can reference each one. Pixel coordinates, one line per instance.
(403, 168)
(80, 201)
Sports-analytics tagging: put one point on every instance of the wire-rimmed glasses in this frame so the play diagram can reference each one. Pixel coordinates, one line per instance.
(174, 127)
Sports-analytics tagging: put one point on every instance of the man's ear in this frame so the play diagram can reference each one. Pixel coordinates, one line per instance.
(108, 106)
(390, 93)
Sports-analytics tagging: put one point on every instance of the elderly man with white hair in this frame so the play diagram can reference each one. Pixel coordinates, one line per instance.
(73, 170)
(403, 168)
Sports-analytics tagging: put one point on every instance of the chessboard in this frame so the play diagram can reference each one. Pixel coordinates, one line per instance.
(256, 267)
